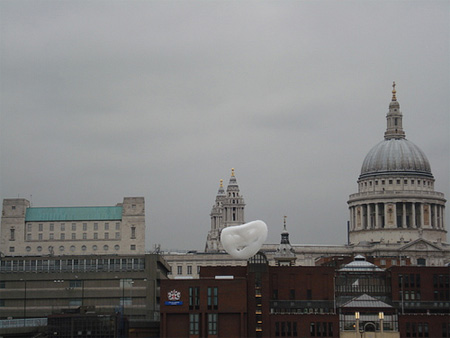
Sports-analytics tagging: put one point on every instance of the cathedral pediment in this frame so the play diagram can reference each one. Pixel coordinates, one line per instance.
(420, 245)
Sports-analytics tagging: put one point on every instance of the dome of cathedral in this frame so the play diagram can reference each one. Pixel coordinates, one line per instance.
(395, 156)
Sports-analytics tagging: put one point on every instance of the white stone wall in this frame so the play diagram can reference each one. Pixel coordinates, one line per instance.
(125, 236)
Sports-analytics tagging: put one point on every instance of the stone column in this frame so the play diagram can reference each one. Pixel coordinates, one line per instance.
(368, 210)
(377, 221)
(421, 215)
(413, 215)
(436, 210)
(404, 216)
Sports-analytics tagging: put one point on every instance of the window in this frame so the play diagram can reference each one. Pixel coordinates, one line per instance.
(52, 227)
(95, 226)
(2, 284)
(117, 226)
(179, 270)
(105, 247)
(61, 248)
(132, 247)
(194, 298)
(292, 294)
(28, 248)
(189, 270)
(106, 226)
(74, 236)
(106, 235)
(84, 235)
(41, 227)
(83, 247)
(11, 249)
(133, 232)
(29, 237)
(194, 323)
(75, 302)
(63, 227)
(212, 323)
(95, 235)
(63, 236)
(117, 235)
(213, 298)
(94, 247)
(75, 283)
(116, 247)
(40, 237)
(29, 227)
(51, 236)
(12, 233)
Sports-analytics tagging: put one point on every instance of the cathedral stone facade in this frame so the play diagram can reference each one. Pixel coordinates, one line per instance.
(227, 210)
(396, 200)
(396, 217)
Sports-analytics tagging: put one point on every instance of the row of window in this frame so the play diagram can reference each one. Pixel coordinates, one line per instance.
(212, 299)
(72, 248)
(417, 330)
(75, 302)
(72, 265)
(286, 329)
(194, 324)
(188, 270)
(441, 281)
(409, 281)
(399, 181)
(74, 226)
(62, 236)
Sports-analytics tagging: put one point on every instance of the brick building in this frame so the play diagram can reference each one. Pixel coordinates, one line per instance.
(260, 300)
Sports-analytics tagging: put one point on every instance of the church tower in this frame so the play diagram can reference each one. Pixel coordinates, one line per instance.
(285, 254)
(227, 210)
(396, 201)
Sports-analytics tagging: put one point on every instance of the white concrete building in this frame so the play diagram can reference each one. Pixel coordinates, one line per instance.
(39, 231)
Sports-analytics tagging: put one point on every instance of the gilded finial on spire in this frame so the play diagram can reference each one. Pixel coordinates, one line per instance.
(232, 172)
(221, 183)
(284, 221)
(394, 98)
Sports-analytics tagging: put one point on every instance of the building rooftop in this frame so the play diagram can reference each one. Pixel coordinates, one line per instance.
(73, 214)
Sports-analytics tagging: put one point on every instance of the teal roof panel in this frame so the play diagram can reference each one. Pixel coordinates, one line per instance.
(73, 214)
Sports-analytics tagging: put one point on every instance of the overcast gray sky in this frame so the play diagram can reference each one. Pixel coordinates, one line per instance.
(106, 99)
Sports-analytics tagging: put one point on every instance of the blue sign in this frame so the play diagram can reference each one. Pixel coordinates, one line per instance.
(171, 302)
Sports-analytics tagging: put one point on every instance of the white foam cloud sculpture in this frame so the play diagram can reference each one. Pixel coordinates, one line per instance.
(244, 241)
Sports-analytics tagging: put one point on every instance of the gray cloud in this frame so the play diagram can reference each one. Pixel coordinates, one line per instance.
(101, 100)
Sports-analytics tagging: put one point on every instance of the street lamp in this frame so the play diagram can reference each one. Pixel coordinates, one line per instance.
(381, 317)
(357, 322)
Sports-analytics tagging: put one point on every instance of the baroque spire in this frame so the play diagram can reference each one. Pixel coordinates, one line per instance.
(394, 118)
